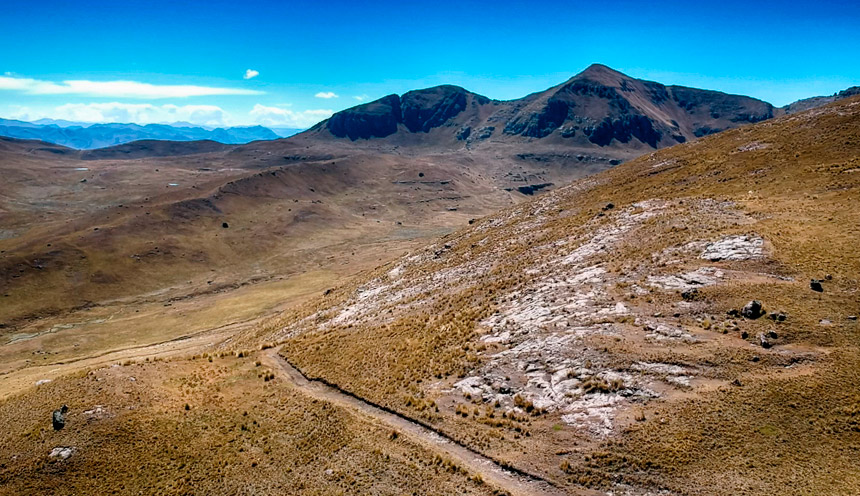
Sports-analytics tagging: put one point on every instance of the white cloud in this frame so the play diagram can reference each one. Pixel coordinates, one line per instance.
(276, 116)
(114, 89)
(250, 73)
(139, 113)
(147, 113)
(361, 98)
(326, 94)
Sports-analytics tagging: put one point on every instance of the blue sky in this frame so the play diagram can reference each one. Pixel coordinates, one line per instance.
(159, 61)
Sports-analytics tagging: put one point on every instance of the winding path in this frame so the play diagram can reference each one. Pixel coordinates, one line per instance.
(517, 484)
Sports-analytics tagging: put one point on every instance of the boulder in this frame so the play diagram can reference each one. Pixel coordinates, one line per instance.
(58, 418)
(816, 286)
(762, 339)
(752, 310)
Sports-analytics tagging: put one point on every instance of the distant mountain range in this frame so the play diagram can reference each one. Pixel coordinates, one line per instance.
(86, 136)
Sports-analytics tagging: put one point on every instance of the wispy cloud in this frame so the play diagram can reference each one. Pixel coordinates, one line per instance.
(276, 116)
(361, 98)
(251, 73)
(326, 94)
(114, 89)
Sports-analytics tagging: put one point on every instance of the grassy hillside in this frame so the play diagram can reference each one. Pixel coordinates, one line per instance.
(594, 335)
(205, 426)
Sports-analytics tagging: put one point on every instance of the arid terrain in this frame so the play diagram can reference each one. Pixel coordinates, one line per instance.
(439, 293)
(595, 336)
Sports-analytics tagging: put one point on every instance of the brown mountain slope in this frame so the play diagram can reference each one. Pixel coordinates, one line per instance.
(818, 101)
(277, 220)
(593, 335)
(154, 148)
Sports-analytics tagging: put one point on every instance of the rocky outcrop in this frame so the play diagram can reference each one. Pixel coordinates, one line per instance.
(376, 119)
(624, 129)
(418, 111)
(423, 110)
(541, 123)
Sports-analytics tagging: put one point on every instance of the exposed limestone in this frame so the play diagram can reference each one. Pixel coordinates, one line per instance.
(734, 248)
(62, 452)
(705, 276)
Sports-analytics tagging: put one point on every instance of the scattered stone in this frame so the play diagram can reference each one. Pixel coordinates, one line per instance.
(58, 418)
(825, 322)
(777, 316)
(42, 381)
(763, 341)
(608, 206)
(690, 294)
(828, 277)
(62, 452)
(815, 285)
(737, 382)
(852, 317)
(755, 358)
(745, 335)
(772, 334)
(733, 313)
(752, 310)
(96, 413)
(225, 225)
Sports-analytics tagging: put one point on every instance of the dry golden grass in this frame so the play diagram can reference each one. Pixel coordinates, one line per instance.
(794, 181)
(206, 427)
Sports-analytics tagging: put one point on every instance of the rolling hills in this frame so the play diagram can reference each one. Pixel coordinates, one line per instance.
(140, 217)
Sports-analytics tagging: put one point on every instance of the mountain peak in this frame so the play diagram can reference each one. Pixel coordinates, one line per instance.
(600, 73)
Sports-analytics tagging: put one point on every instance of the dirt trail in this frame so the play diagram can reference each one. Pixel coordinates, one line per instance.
(491, 472)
